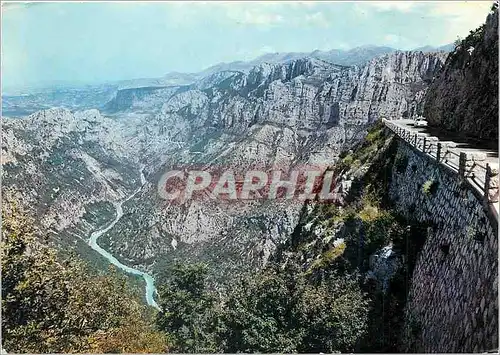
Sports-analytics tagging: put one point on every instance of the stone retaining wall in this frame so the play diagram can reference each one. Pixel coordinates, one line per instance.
(453, 300)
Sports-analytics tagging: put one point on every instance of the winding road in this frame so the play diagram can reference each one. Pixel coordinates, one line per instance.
(150, 287)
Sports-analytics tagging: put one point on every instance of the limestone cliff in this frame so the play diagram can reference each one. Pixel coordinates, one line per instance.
(304, 111)
(464, 97)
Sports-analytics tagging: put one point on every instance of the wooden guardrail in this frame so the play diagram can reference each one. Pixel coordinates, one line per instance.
(469, 167)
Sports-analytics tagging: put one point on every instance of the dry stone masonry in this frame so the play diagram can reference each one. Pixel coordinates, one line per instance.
(453, 299)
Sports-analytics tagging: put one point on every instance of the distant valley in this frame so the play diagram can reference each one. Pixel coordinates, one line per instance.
(283, 112)
(167, 214)
(18, 103)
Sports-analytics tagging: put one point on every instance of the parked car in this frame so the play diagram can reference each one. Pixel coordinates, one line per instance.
(420, 122)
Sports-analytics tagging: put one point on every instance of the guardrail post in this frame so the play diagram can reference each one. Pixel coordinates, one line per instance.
(462, 161)
(487, 179)
(415, 140)
(438, 152)
(433, 146)
(424, 143)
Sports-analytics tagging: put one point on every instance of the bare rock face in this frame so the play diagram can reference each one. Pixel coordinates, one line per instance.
(464, 97)
(384, 264)
(65, 168)
(303, 111)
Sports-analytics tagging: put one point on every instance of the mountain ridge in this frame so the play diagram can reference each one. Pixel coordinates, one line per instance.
(182, 78)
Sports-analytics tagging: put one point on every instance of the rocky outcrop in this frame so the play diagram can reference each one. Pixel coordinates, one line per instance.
(384, 264)
(309, 89)
(144, 99)
(63, 168)
(464, 97)
(304, 111)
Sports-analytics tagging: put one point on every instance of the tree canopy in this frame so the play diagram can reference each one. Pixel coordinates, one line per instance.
(266, 311)
(53, 304)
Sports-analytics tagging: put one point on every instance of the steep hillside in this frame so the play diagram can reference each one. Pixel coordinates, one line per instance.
(302, 112)
(406, 261)
(57, 304)
(65, 169)
(464, 97)
(143, 99)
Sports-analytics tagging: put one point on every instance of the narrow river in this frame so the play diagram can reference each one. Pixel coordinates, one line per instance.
(150, 287)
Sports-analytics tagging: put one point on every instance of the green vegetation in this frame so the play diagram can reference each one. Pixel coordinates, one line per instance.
(473, 39)
(374, 135)
(364, 152)
(366, 223)
(188, 310)
(369, 225)
(430, 187)
(52, 304)
(328, 257)
(99, 213)
(463, 98)
(273, 310)
(348, 160)
(312, 296)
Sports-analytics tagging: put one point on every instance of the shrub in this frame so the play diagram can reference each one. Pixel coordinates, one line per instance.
(52, 304)
(378, 231)
(430, 187)
(348, 160)
(369, 213)
(188, 310)
(356, 163)
(273, 311)
(329, 256)
(370, 207)
(373, 135)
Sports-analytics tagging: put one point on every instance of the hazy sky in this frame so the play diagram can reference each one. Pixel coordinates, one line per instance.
(97, 42)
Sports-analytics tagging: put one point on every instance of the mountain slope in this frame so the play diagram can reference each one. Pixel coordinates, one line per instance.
(65, 168)
(464, 97)
(302, 112)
